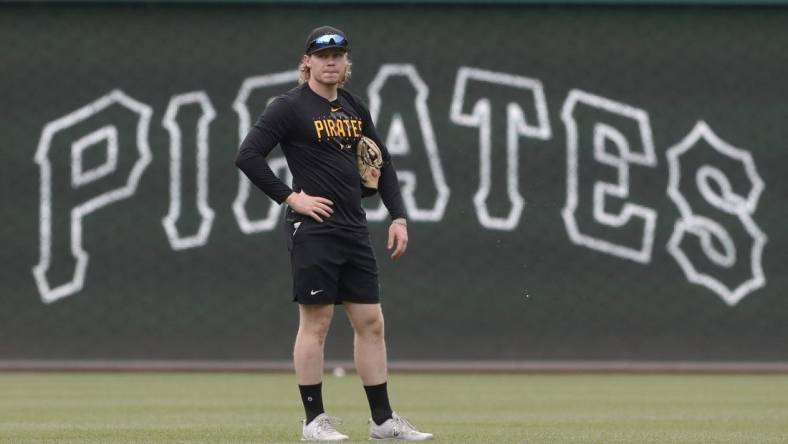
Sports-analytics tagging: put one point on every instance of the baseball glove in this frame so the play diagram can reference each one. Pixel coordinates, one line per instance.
(370, 160)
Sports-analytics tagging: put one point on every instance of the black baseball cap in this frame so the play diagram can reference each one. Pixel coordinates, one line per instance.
(324, 37)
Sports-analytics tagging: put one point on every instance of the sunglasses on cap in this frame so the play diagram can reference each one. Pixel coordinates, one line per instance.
(327, 41)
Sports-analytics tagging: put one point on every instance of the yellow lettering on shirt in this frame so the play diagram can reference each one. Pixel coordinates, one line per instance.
(331, 131)
(340, 127)
(357, 128)
(337, 128)
(319, 128)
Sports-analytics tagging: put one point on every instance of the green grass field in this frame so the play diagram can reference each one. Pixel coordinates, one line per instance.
(265, 408)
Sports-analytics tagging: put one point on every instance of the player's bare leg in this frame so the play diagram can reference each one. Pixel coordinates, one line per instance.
(369, 345)
(369, 354)
(313, 324)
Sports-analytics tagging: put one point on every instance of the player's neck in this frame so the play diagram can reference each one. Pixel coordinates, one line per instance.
(328, 92)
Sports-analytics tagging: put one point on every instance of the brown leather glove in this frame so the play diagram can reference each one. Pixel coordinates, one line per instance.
(370, 160)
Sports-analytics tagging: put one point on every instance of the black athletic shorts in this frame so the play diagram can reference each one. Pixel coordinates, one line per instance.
(330, 266)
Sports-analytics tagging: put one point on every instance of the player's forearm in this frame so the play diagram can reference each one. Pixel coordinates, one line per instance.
(388, 187)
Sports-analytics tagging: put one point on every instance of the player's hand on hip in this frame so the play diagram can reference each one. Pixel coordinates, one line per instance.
(398, 238)
(316, 207)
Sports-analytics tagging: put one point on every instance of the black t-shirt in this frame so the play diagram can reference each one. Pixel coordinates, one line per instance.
(318, 139)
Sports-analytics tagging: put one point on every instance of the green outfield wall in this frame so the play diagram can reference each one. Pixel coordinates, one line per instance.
(581, 183)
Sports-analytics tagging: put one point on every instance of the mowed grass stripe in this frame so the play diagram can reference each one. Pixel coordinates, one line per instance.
(265, 408)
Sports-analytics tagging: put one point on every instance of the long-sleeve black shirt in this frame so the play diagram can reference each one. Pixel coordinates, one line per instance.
(318, 139)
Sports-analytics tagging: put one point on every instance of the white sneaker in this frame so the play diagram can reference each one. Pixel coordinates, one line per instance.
(396, 427)
(322, 429)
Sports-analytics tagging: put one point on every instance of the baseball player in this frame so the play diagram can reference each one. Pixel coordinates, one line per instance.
(336, 156)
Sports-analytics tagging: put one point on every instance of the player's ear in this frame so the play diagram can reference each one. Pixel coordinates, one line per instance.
(306, 61)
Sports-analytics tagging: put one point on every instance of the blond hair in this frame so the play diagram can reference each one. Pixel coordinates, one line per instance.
(304, 72)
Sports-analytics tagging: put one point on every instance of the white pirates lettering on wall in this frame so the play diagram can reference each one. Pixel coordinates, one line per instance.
(712, 273)
(478, 113)
(122, 179)
(170, 121)
(398, 144)
(638, 152)
(714, 243)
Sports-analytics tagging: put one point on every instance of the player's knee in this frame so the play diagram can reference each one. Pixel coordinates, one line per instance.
(319, 329)
(372, 327)
(316, 329)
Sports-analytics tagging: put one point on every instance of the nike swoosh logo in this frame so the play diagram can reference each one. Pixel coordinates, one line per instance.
(333, 110)
(313, 292)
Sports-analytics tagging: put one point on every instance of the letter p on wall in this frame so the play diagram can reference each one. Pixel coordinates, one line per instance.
(65, 201)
